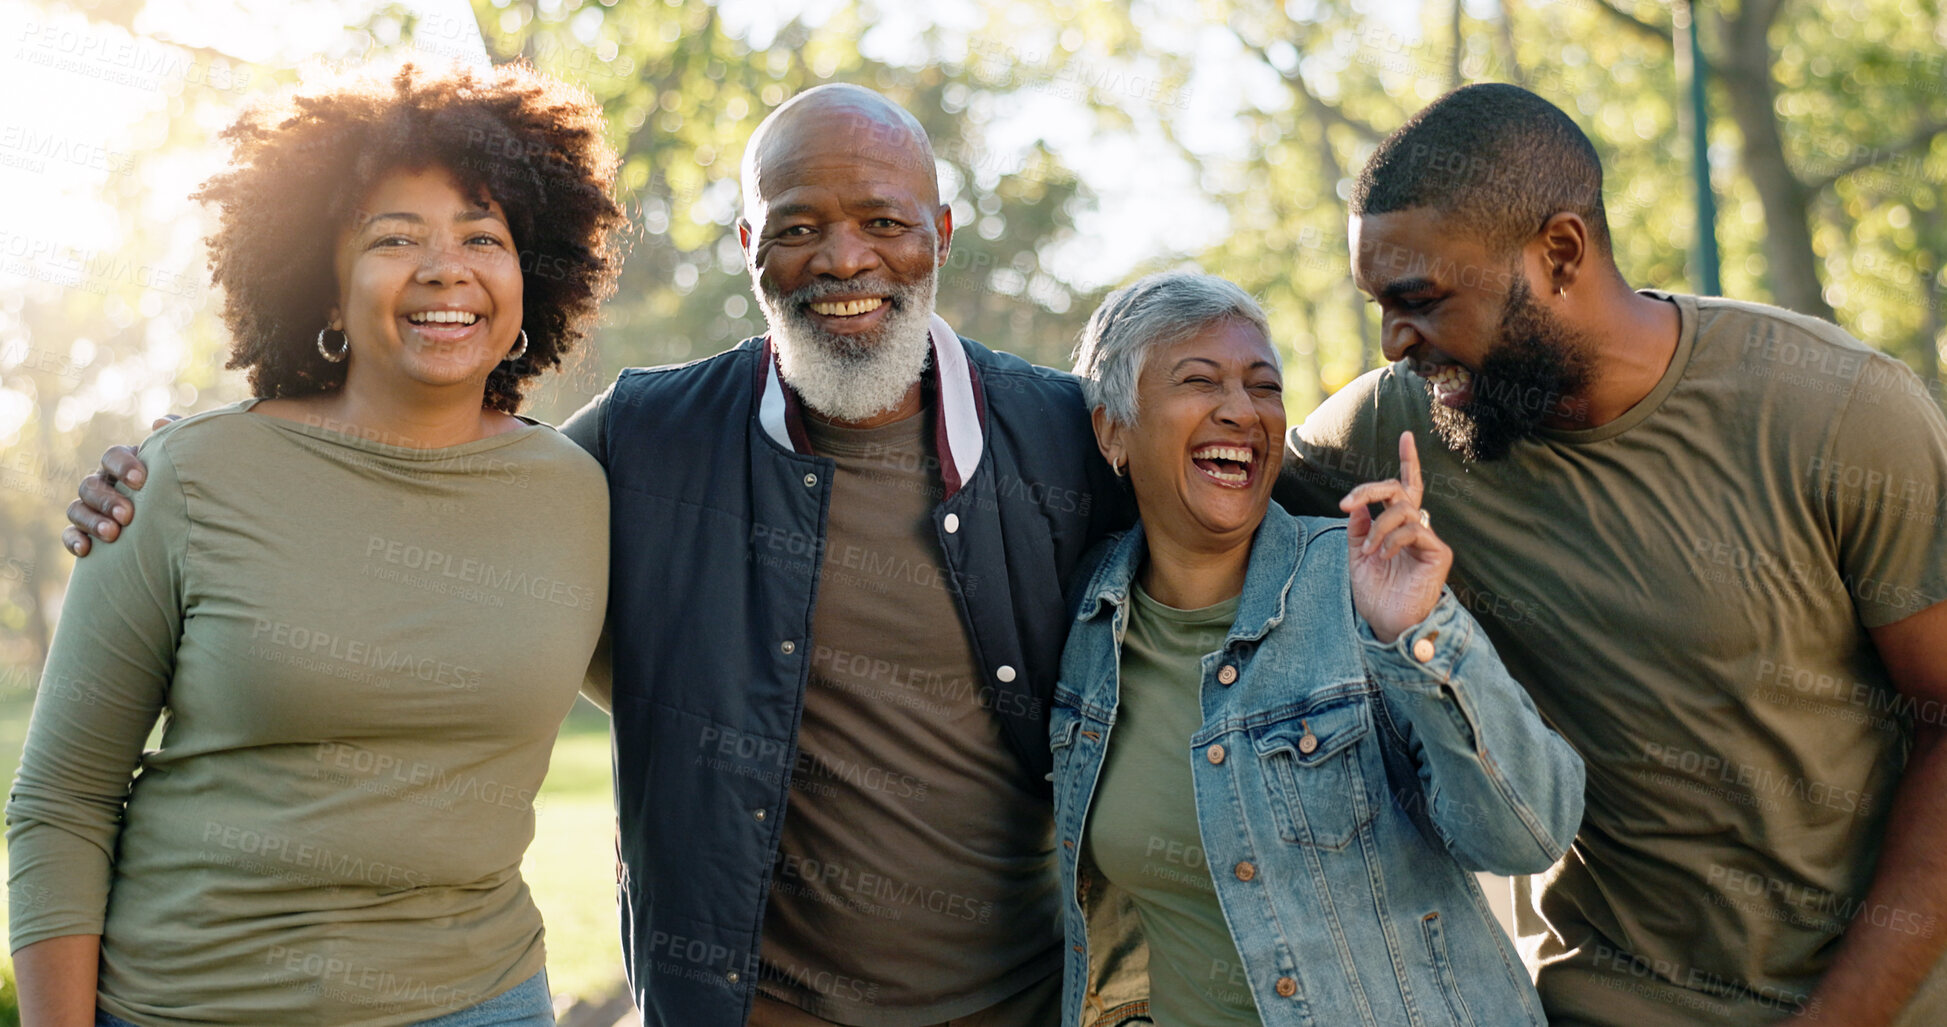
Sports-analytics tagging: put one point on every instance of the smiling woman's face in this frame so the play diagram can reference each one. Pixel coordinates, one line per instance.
(1208, 438)
(429, 284)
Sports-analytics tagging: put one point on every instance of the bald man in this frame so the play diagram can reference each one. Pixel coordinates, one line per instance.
(840, 555)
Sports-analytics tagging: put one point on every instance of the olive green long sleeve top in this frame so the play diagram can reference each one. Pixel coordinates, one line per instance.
(360, 654)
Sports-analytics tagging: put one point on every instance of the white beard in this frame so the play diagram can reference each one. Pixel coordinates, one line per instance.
(857, 377)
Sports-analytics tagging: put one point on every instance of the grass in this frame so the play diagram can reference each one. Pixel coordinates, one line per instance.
(570, 867)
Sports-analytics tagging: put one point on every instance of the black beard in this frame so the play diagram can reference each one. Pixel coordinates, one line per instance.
(1536, 366)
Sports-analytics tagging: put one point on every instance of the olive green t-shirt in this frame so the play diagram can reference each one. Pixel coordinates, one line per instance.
(915, 879)
(1143, 834)
(1686, 593)
(361, 654)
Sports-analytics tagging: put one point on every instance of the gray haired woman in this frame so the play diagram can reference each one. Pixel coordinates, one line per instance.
(1281, 746)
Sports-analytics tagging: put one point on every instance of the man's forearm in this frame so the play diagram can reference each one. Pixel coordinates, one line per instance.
(57, 979)
(1901, 929)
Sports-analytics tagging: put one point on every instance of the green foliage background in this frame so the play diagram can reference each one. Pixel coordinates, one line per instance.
(1829, 114)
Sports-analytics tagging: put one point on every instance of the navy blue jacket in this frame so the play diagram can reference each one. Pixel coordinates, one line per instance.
(717, 534)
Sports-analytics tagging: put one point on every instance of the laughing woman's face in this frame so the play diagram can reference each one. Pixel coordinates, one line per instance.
(1208, 438)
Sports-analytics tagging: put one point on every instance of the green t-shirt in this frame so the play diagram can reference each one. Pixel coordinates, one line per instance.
(1142, 824)
(1686, 593)
(361, 655)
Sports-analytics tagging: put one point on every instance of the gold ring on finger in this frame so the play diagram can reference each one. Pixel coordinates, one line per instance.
(1426, 519)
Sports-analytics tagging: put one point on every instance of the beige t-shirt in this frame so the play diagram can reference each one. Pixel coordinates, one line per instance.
(361, 655)
(915, 879)
(1685, 592)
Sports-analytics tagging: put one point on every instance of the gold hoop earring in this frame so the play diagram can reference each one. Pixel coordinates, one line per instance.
(344, 349)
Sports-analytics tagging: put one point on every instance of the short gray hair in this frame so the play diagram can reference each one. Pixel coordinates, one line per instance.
(1156, 311)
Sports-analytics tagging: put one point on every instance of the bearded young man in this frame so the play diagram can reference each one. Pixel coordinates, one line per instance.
(1706, 536)
(839, 555)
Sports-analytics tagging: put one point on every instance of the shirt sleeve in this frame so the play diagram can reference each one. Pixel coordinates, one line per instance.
(1883, 484)
(586, 426)
(1503, 791)
(106, 680)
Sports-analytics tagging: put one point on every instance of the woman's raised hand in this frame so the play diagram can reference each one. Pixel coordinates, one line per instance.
(1398, 563)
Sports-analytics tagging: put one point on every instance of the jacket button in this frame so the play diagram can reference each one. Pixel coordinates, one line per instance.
(951, 523)
(811, 481)
(1227, 675)
(1286, 987)
(787, 647)
(1216, 753)
(759, 814)
(732, 977)
(1308, 744)
(1423, 650)
(1005, 673)
(1246, 870)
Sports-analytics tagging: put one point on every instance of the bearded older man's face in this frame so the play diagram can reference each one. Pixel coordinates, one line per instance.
(845, 237)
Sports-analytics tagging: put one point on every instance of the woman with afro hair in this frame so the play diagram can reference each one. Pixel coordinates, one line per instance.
(360, 604)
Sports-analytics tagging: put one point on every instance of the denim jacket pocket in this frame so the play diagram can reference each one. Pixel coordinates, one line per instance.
(1436, 950)
(1313, 765)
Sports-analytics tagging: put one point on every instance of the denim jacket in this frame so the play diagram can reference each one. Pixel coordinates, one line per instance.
(1345, 792)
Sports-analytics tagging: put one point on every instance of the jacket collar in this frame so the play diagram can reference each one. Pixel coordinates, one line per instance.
(956, 418)
(1277, 549)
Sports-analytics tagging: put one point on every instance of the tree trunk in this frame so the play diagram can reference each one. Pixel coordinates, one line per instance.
(1457, 40)
(1504, 32)
(1744, 68)
(1932, 296)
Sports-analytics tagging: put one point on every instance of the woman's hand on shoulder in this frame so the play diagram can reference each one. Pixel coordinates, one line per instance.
(1398, 564)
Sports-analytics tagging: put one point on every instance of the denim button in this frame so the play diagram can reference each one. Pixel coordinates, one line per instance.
(811, 481)
(1246, 870)
(1228, 675)
(1423, 650)
(787, 647)
(1287, 987)
(1216, 753)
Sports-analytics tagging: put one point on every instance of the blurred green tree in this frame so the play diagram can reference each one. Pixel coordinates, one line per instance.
(683, 92)
(1829, 140)
(1847, 141)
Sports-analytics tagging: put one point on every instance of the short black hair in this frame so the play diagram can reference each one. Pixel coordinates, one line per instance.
(1496, 158)
(300, 164)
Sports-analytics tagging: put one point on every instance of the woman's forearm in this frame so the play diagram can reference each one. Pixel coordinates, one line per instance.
(1509, 789)
(56, 979)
